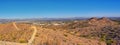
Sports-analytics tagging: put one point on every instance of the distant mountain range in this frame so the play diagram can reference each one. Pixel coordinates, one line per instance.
(52, 19)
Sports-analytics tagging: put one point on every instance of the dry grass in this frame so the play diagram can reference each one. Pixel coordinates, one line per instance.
(9, 33)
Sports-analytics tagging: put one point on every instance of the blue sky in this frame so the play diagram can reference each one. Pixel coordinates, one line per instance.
(59, 8)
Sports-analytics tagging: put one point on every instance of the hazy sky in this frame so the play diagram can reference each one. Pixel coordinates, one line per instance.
(59, 8)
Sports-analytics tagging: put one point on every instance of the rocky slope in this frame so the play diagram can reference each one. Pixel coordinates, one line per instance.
(98, 28)
(57, 37)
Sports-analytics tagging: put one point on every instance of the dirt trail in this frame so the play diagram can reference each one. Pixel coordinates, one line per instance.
(14, 24)
(30, 41)
(33, 35)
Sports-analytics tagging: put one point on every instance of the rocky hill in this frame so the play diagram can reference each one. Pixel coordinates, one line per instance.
(98, 28)
(101, 21)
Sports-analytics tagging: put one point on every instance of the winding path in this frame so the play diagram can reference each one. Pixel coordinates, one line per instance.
(30, 42)
(33, 35)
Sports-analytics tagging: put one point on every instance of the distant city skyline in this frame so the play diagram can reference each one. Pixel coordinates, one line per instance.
(59, 8)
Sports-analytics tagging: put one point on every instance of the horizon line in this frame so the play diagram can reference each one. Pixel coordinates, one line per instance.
(60, 17)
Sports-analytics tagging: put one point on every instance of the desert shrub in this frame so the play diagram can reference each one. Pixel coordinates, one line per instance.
(83, 36)
(36, 35)
(64, 40)
(0, 37)
(13, 38)
(103, 37)
(22, 41)
(79, 44)
(86, 36)
(65, 35)
(109, 42)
